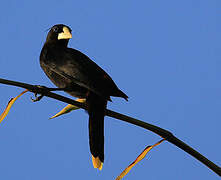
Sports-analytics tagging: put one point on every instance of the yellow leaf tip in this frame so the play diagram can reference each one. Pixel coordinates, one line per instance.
(10, 103)
(68, 109)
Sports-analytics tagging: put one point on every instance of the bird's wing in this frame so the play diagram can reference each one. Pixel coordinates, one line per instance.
(89, 68)
(78, 68)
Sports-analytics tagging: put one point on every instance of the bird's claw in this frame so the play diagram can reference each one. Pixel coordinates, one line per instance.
(37, 98)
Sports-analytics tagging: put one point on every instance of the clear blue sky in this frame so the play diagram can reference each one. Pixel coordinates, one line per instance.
(164, 54)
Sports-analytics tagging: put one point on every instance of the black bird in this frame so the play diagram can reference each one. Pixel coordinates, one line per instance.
(82, 78)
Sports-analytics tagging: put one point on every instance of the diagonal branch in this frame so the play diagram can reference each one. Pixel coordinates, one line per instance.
(161, 132)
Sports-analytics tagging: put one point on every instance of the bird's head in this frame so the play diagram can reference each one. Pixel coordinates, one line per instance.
(59, 33)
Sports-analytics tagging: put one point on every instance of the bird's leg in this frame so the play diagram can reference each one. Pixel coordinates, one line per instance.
(38, 98)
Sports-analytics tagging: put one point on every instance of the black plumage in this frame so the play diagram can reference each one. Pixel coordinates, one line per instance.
(81, 77)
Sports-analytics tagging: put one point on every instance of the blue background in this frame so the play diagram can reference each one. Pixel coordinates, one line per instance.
(164, 54)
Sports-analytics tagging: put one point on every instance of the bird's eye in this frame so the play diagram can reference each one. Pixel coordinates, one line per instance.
(55, 29)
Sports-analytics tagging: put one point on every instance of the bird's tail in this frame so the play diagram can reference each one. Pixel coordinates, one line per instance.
(96, 111)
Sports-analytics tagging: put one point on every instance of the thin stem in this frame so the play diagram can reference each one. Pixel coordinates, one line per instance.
(161, 132)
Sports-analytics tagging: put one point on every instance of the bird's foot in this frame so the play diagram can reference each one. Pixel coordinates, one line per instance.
(44, 89)
(38, 98)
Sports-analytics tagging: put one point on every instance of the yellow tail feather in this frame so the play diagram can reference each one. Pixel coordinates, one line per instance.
(97, 163)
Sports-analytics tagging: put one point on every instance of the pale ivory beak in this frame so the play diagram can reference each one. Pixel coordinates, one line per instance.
(66, 34)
